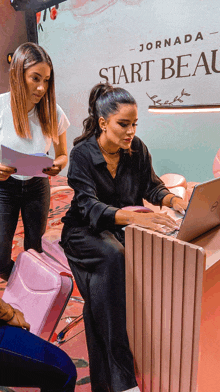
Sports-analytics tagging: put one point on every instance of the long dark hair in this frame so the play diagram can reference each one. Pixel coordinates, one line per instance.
(104, 100)
(25, 56)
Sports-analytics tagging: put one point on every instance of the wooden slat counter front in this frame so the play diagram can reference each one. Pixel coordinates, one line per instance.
(209, 347)
(164, 286)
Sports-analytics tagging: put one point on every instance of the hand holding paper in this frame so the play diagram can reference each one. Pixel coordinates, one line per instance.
(6, 171)
(26, 165)
(52, 171)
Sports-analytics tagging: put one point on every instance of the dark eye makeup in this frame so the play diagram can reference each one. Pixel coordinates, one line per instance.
(124, 125)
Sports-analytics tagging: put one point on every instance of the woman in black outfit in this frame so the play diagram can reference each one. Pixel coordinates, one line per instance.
(110, 168)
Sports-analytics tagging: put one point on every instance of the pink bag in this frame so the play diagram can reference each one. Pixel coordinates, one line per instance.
(137, 209)
(40, 288)
(51, 247)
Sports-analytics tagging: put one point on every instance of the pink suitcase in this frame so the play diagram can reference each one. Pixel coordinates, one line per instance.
(39, 287)
(51, 247)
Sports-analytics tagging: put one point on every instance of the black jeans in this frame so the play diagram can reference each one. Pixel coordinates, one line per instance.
(32, 197)
(98, 265)
(29, 361)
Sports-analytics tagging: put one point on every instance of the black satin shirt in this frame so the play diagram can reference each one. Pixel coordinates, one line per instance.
(98, 195)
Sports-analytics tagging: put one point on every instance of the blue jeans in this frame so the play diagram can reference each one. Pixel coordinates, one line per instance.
(29, 361)
(32, 198)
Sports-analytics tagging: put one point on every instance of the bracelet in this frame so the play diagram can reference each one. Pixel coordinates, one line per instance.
(171, 204)
(7, 313)
(11, 317)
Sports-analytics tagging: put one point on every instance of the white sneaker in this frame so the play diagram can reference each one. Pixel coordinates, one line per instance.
(135, 389)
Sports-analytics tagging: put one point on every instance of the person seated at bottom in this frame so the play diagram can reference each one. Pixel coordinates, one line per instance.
(29, 361)
(110, 168)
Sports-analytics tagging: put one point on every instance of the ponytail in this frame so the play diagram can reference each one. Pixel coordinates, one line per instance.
(104, 100)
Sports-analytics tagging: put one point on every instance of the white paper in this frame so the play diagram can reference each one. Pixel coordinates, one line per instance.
(26, 164)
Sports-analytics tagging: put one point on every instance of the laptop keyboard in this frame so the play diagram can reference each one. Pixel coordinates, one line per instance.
(172, 233)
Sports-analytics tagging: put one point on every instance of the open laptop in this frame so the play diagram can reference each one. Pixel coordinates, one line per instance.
(202, 213)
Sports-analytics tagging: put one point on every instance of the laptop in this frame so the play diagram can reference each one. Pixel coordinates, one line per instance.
(202, 213)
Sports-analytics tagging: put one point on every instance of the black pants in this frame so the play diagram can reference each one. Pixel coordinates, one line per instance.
(98, 265)
(29, 361)
(32, 198)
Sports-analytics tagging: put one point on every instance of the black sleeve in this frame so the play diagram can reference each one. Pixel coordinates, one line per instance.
(90, 208)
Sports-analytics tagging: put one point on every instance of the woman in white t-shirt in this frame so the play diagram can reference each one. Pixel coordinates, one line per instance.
(29, 121)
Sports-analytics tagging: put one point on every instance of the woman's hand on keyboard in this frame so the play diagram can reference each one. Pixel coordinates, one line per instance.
(179, 205)
(175, 202)
(155, 221)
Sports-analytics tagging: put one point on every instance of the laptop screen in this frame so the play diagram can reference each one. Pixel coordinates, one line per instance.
(203, 211)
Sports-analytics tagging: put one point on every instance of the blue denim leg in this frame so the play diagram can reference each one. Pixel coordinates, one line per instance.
(28, 361)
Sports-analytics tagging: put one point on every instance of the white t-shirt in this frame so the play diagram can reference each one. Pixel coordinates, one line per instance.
(39, 142)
